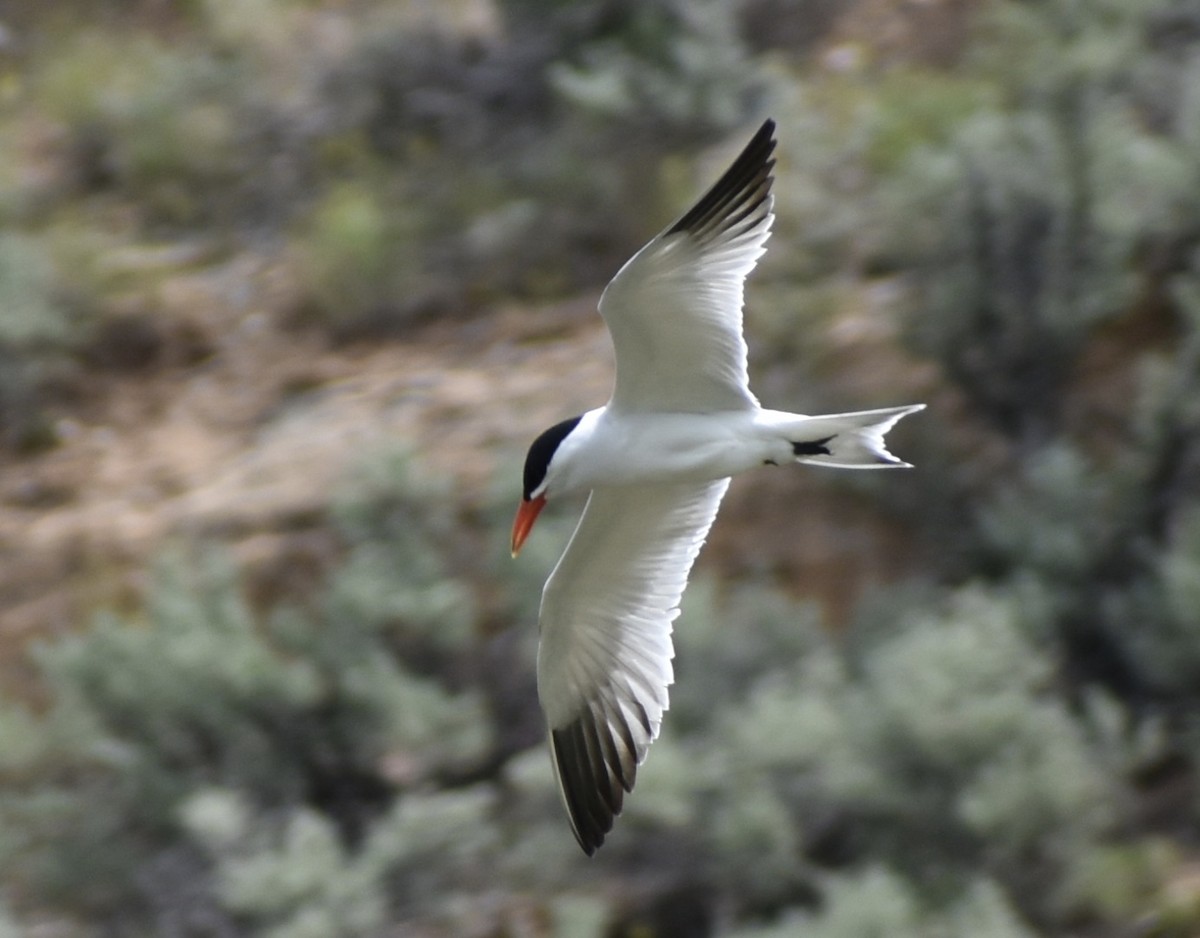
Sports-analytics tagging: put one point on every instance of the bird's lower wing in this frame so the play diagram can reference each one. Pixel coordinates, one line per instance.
(604, 662)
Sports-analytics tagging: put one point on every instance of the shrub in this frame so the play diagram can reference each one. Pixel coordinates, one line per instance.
(291, 715)
(1019, 265)
(36, 329)
(159, 123)
(665, 67)
(935, 745)
(32, 316)
(878, 903)
(355, 259)
(297, 878)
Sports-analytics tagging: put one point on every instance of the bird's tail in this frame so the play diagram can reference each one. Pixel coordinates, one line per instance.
(848, 441)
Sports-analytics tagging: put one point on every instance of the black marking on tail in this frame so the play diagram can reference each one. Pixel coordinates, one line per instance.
(813, 448)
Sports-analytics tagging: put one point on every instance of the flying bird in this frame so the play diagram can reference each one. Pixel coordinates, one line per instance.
(656, 460)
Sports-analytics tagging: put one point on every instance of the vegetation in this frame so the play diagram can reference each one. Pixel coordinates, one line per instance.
(1003, 740)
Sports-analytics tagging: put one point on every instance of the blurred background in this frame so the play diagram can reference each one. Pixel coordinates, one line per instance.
(288, 286)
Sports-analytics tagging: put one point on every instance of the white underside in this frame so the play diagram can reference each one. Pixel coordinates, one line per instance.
(682, 419)
(620, 449)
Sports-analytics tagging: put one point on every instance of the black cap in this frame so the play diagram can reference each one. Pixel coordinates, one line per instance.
(542, 450)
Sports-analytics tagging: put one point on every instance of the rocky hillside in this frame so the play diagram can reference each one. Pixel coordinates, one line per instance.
(287, 287)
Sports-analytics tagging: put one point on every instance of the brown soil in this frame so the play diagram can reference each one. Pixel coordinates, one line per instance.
(246, 442)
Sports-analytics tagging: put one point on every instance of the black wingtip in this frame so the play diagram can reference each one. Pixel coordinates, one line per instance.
(596, 758)
(590, 805)
(748, 179)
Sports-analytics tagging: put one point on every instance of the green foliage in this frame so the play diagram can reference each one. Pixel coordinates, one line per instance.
(717, 660)
(1040, 206)
(159, 122)
(398, 517)
(412, 170)
(669, 67)
(915, 109)
(36, 327)
(878, 903)
(355, 257)
(1056, 519)
(1035, 50)
(299, 879)
(1002, 748)
(10, 927)
(940, 734)
(1163, 647)
(290, 765)
(293, 772)
(292, 715)
(1021, 264)
(489, 147)
(31, 315)
(1100, 544)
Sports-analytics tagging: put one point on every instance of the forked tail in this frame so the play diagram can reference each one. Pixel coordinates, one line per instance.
(848, 441)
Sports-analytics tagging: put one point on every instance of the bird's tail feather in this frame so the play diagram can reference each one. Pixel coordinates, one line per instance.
(848, 441)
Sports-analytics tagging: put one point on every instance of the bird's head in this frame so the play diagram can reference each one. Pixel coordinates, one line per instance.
(538, 481)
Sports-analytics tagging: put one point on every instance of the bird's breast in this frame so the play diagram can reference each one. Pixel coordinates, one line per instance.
(644, 449)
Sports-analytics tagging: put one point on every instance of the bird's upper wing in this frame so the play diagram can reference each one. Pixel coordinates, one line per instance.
(604, 662)
(675, 308)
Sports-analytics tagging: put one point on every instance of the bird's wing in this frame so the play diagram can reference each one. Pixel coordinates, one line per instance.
(675, 309)
(604, 662)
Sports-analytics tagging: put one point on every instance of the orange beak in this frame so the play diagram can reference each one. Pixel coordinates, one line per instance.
(526, 515)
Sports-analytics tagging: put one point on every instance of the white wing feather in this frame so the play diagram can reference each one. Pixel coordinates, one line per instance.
(604, 661)
(675, 309)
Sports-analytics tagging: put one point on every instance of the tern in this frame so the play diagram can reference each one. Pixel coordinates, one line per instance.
(656, 460)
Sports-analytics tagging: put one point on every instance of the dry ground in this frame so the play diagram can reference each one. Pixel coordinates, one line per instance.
(245, 443)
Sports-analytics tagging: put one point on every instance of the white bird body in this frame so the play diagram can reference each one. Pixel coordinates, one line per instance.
(694, 447)
(657, 460)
